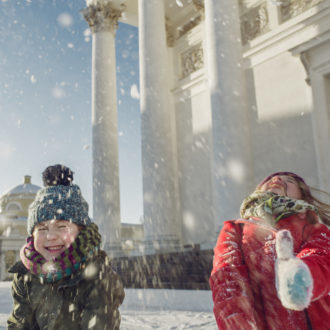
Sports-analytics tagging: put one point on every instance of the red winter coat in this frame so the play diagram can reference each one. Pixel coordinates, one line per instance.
(243, 278)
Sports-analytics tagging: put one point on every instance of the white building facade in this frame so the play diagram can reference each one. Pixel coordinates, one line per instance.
(230, 92)
(14, 206)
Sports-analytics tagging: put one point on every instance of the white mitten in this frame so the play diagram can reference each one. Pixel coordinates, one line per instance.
(294, 282)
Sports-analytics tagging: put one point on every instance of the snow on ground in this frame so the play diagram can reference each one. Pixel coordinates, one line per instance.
(145, 309)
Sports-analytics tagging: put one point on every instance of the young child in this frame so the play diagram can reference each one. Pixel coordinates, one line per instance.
(63, 281)
(271, 269)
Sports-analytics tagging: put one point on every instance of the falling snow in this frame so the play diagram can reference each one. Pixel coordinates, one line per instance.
(58, 93)
(134, 92)
(148, 309)
(179, 3)
(87, 35)
(33, 79)
(65, 20)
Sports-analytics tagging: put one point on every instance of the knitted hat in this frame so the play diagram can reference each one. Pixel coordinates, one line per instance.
(294, 175)
(59, 199)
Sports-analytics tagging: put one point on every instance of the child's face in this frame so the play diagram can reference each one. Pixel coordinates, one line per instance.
(52, 237)
(283, 185)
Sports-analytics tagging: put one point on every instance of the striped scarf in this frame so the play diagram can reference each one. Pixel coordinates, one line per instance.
(68, 262)
(272, 207)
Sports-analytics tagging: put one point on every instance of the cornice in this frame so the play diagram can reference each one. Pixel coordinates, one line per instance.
(306, 26)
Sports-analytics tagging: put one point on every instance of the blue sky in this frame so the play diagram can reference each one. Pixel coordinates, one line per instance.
(45, 97)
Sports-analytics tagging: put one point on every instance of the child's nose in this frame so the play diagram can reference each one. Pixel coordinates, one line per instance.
(51, 234)
(277, 179)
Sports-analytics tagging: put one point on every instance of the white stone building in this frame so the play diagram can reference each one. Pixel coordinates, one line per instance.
(14, 206)
(230, 92)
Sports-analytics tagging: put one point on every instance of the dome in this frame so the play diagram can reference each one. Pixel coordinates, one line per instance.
(14, 204)
(26, 188)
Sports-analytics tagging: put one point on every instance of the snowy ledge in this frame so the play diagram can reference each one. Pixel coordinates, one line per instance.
(144, 299)
(167, 300)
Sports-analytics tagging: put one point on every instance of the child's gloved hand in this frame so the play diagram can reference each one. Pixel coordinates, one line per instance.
(294, 282)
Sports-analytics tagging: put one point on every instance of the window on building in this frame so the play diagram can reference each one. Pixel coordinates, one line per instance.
(13, 206)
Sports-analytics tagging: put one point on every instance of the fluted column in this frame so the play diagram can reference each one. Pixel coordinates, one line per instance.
(162, 225)
(231, 162)
(2, 262)
(102, 17)
(320, 84)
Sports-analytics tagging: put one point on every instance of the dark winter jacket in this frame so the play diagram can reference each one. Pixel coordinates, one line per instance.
(243, 276)
(87, 300)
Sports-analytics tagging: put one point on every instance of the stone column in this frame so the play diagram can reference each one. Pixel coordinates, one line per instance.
(232, 177)
(320, 83)
(162, 225)
(2, 261)
(102, 17)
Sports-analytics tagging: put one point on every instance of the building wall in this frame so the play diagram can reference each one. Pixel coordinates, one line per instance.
(279, 103)
(10, 247)
(193, 136)
(285, 113)
(280, 115)
(194, 162)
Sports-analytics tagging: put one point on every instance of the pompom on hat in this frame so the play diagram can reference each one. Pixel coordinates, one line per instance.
(60, 199)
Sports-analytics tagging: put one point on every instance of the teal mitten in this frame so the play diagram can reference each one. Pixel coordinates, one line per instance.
(294, 281)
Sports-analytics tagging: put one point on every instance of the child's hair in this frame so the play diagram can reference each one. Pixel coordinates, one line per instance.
(323, 208)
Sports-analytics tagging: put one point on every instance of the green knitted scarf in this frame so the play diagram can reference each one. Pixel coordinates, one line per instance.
(272, 207)
(68, 262)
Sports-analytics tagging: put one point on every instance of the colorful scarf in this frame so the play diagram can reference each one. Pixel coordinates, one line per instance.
(272, 207)
(68, 262)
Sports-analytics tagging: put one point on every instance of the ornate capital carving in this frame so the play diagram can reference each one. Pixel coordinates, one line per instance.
(103, 16)
(254, 23)
(198, 4)
(192, 60)
(292, 8)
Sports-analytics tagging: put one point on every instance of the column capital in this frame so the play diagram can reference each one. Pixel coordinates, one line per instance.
(103, 16)
(199, 5)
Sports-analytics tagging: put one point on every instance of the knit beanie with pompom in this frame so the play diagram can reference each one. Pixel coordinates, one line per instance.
(60, 199)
